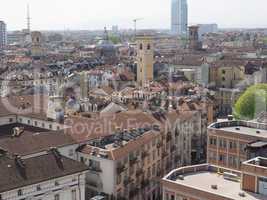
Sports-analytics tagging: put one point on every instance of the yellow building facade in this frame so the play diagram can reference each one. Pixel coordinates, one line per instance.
(145, 59)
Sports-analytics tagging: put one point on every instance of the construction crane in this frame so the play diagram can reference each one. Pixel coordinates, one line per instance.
(135, 24)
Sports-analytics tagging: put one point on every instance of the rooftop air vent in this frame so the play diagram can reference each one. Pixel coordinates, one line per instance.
(241, 194)
(237, 128)
(230, 117)
(103, 154)
(215, 187)
(93, 152)
(17, 131)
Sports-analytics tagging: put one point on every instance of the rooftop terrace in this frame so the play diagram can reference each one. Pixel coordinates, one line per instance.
(206, 178)
(120, 138)
(241, 127)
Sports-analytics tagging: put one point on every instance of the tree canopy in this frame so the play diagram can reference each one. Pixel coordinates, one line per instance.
(252, 102)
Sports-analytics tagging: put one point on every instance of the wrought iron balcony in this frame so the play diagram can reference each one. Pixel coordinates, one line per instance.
(139, 172)
(144, 183)
(164, 154)
(120, 168)
(133, 160)
(144, 154)
(169, 137)
(127, 181)
(159, 145)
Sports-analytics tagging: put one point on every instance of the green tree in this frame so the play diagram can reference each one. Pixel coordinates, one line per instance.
(115, 39)
(252, 102)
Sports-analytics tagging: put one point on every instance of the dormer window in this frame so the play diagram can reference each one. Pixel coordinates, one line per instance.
(38, 188)
(148, 47)
(20, 193)
(141, 46)
(56, 183)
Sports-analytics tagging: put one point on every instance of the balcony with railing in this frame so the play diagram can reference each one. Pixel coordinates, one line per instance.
(120, 169)
(159, 145)
(177, 158)
(127, 181)
(144, 183)
(139, 172)
(173, 148)
(133, 192)
(144, 154)
(164, 154)
(133, 160)
(168, 165)
(159, 173)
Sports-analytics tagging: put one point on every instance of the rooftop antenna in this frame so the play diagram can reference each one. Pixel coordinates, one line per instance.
(135, 25)
(28, 19)
(106, 33)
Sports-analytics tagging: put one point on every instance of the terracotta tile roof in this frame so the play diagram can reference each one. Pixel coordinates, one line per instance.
(229, 63)
(36, 105)
(120, 152)
(188, 60)
(108, 90)
(84, 129)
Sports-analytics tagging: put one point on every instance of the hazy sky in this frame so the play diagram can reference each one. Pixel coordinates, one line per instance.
(95, 14)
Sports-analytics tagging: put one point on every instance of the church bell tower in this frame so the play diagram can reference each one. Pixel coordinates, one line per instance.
(145, 59)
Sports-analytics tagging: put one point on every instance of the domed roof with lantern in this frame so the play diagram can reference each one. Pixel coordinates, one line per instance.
(105, 43)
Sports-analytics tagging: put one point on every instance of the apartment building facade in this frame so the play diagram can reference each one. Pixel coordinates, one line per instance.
(129, 163)
(49, 176)
(236, 165)
(232, 142)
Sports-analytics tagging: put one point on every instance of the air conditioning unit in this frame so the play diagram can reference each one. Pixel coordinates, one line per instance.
(215, 187)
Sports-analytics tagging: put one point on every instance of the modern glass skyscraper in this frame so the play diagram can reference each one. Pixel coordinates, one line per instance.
(179, 17)
(3, 35)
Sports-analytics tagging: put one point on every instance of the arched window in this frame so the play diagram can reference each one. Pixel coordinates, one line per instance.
(148, 47)
(141, 46)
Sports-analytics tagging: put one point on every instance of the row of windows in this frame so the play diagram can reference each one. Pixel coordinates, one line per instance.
(151, 171)
(146, 147)
(172, 197)
(73, 196)
(35, 123)
(232, 160)
(148, 47)
(56, 197)
(223, 143)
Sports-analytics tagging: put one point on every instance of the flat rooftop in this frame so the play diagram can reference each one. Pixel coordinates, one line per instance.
(246, 130)
(203, 180)
(257, 162)
(241, 127)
